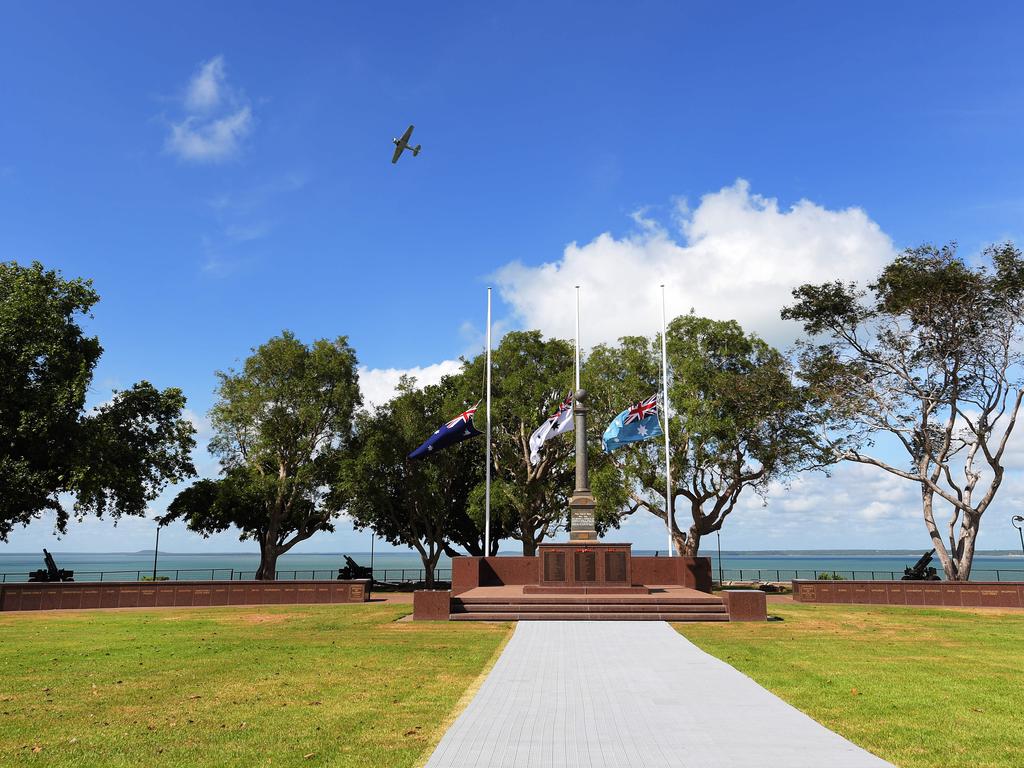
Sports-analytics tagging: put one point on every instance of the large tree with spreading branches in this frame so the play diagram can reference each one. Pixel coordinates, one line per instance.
(924, 364)
(423, 504)
(282, 426)
(738, 422)
(110, 460)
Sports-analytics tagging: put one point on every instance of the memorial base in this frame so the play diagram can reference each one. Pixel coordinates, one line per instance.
(510, 588)
(537, 589)
(585, 564)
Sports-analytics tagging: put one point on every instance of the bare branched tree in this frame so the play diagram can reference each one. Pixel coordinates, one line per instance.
(930, 356)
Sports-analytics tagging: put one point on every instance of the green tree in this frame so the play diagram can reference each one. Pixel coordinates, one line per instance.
(530, 377)
(282, 426)
(423, 504)
(112, 460)
(929, 360)
(738, 421)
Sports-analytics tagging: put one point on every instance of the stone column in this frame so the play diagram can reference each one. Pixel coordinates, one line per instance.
(581, 505)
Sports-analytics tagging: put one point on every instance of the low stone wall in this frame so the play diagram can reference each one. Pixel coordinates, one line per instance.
(471, 572)
(746, 604)
(159, 594)
(431, 605)
(692, 572)
(991, 594)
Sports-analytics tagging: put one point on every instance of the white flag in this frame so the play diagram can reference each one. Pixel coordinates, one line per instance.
(557, 423)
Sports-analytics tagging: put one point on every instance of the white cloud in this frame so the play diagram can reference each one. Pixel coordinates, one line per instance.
(206, 141)
(217, 117)
(378, 384)
(205, 89)
(735, 256)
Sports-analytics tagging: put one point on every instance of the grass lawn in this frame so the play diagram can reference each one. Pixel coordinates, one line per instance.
(918, 687)
(286, 686)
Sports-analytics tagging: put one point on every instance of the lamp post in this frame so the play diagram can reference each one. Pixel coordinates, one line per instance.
(1017, 521)
(373, 535)
(156, 548)
(721, 584)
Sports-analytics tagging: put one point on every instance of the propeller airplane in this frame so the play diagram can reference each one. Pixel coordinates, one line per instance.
(402, 144)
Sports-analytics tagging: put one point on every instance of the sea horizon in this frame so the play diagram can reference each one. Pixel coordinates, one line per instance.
(390, 565)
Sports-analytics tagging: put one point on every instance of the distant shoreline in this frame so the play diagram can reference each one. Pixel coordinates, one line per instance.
(731, 552)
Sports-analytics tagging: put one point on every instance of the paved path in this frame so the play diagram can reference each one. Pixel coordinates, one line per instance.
(599, 694)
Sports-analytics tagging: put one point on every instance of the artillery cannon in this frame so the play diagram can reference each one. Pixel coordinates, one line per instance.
(51, 572)
(354, 570)
(921, 571)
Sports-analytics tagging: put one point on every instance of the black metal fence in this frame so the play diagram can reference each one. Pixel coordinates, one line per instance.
(777, 574)
(414, 575)
(382, 575)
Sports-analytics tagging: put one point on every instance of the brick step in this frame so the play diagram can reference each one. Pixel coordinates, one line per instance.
(457, 607)
(578, 616)
(589, 600)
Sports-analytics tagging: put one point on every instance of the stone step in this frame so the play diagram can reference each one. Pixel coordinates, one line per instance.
(588, 600)
(580, 616)
(457, 607)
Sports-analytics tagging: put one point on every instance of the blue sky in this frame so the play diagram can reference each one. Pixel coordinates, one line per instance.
(222, 172)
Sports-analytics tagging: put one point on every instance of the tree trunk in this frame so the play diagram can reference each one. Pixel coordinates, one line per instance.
(690, 542)
(268, 562)
(432, 582)
(429, 560)
(688, 545)
(965, 547)
(428, 572)
(949, 566)
(529, 541)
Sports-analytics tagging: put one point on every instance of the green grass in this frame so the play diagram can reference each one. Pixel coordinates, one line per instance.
(255, 686)
(918, 687)
(349, 686)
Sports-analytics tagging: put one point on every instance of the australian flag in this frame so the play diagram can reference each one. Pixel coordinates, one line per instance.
(455, 431)
(636, 423)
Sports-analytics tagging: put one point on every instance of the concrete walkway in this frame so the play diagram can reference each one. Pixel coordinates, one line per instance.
(632, 693)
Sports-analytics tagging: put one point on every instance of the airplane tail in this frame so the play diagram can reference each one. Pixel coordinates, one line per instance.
(416, 150)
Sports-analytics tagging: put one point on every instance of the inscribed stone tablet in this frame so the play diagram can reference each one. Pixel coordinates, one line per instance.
(586, 566)
(614, 566)
(582, 520)
(554, 566)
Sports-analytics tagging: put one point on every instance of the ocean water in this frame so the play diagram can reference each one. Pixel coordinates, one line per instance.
(406, 566)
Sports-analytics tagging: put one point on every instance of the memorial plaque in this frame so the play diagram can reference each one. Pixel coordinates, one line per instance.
(554, 566)
(614, 566)
(582, 520)
(586, 565)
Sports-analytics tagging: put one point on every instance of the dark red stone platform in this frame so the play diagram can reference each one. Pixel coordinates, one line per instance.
(990, 594)
(581, 581)
(539, 589)
(65, 595)
(661, 603)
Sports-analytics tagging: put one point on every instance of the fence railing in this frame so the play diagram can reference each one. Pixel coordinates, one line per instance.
(782, 574)
(414, 575)
(385, 575)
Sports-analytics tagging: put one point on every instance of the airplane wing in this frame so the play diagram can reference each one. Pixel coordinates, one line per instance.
(401, 144)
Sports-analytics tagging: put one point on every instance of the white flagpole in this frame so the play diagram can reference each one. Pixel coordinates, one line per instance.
(668, 453)
(487, 482)
(577, 340)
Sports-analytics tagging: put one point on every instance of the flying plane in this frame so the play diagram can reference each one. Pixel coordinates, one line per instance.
(402, 144)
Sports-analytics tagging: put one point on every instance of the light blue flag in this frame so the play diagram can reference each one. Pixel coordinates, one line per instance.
(636, 423)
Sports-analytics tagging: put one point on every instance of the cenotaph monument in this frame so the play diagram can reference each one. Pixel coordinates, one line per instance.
(583, 564)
